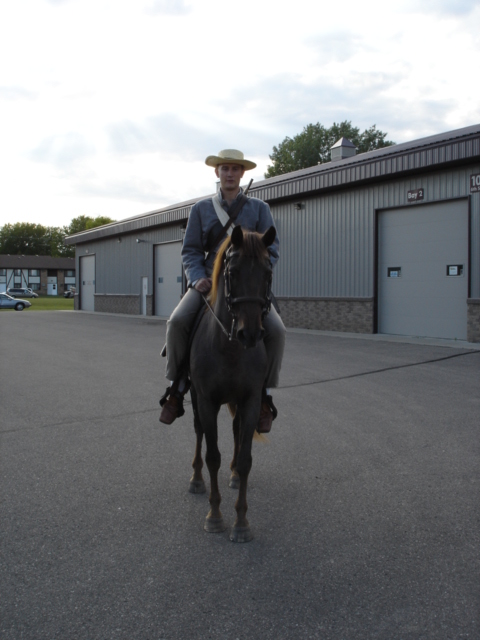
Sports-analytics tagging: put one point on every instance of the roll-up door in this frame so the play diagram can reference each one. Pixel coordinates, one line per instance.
(423, 270)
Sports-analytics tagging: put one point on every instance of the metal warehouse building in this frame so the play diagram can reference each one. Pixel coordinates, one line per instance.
(381, 242)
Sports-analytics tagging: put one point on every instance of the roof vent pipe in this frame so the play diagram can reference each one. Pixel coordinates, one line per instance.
(342, 149)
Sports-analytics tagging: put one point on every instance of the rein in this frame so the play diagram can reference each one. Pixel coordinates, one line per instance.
(265, 302)
(219, 322)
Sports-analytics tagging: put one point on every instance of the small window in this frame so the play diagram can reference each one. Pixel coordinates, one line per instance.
(18, 272)
(35, 287)
(394, 272)
(3, 272)
(454, 270)
(34, 272)
(70, 273)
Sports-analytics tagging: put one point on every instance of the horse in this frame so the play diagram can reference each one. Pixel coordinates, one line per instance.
(229, 367)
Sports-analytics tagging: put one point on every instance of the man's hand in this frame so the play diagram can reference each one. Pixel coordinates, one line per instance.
(203, 285)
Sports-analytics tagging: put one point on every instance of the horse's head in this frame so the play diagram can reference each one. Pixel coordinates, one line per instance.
(248, 277)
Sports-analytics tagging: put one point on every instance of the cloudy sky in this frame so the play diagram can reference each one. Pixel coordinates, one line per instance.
(109, 107)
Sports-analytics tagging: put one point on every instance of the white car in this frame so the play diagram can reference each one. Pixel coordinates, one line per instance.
(19, 292)
(7, 302)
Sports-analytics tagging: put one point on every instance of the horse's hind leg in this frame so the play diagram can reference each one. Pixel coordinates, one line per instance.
(248, 420)
(197, 485)
(234, 482)
(214, 520)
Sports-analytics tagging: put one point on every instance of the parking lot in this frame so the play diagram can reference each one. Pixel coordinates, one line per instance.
(364, 503)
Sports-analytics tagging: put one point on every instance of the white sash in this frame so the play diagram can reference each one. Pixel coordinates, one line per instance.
(222, 215)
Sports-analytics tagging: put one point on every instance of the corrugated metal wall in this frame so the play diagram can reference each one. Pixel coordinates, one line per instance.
(328, 246)
(120, 266)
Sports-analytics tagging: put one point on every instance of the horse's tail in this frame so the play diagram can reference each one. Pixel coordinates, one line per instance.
(258, 437)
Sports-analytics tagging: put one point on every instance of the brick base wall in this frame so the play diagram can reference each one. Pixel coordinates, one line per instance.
(353, 315)
(121, 303)
(473, 320)
(117, 303)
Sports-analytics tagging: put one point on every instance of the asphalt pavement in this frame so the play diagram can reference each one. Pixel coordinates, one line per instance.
(364, 502)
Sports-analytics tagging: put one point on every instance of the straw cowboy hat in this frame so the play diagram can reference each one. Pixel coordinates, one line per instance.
(230, 156)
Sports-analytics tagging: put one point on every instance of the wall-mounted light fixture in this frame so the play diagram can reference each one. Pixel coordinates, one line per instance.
(138, 240)
(119, 240)
(298, 205)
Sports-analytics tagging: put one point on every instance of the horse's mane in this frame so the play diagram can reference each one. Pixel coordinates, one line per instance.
(252, 246)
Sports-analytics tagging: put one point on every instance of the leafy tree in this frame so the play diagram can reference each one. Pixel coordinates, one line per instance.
(82, 223)
(312, 146)
(98, 221)
(25, 238)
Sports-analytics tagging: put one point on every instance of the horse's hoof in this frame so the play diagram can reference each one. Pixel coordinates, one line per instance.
(234, 482)
(214, 525)
(241, 534)
(197, 486)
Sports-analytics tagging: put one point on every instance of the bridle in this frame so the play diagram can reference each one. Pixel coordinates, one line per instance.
(265, 302)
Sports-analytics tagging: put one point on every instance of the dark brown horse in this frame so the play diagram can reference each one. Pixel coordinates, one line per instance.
(228, 365)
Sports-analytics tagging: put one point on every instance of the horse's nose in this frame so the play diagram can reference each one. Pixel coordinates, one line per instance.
(250, 338)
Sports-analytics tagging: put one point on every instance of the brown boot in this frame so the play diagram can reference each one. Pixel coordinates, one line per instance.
(268, 413)
(266, 419)
(172, 403)
(170, 410)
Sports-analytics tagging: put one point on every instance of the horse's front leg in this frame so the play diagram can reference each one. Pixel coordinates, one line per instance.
(208, 417)
(197, 485)
(249, 416)
(234, 482)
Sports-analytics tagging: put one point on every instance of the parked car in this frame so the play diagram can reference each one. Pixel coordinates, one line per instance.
(7, 302)
(16, 292)
(70, 293)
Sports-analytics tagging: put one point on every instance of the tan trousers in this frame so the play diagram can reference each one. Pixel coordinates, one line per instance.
(180, 324)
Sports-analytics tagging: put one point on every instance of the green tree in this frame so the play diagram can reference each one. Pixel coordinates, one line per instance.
(312, 146)
(79, 224)
(84, 223)
(98, 222)
(24, 238)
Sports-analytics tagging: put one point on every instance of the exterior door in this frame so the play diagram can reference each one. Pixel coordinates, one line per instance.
(168, 277)
(87, 283)
(423, 270)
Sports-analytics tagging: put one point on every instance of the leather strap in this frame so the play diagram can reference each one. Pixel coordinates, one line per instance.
(232, 214)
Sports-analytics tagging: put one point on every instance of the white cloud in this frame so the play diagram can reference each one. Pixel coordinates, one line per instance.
(109, 108)
(168, 7)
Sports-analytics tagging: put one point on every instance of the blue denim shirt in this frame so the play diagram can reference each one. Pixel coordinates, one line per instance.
(254, 216)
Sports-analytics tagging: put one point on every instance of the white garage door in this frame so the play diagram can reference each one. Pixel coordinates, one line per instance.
(87, 283)
(423, 270)
(168, 277)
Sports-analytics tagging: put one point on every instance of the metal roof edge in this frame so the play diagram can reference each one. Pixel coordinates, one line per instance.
(319, 177)
(139, 222)
(368, 156)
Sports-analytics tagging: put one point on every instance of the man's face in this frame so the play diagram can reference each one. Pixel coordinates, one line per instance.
(230, 176)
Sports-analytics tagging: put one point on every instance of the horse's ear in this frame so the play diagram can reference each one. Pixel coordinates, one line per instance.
(237, 236)
(269, 236)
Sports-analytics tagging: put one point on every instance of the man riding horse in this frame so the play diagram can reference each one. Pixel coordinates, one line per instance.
(207, 227)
